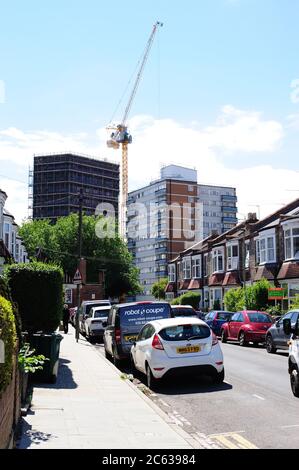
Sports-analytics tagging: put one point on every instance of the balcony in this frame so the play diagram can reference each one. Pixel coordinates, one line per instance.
(229, 220)
(228, 198)
(225, 208)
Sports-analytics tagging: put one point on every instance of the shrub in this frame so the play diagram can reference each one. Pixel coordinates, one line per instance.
(4, 292)
(295, 302)
(234, 300)
(9, 337)
(38, 290)
(259, 295)
(158, 289)
(190, 298)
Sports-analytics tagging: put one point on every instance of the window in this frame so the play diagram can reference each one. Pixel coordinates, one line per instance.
(265, 250)
(247, 254)
(205, 265)
(232, 253)
(291, 242)
(184, 332)
(217, 260)
(196, 268)
(187, 268)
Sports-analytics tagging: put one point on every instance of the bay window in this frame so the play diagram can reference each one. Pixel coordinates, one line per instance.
(217, 260)
(232, 254)
(171, 273)
(196, 267)
(187, 268)
(291, 243)
(265, 249)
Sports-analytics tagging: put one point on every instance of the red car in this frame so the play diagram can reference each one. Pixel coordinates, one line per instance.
(246, 326)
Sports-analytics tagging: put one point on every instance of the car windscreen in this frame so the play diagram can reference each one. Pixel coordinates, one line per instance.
(90, 306)
(185, 332)
(259, 318)
(223, 316)
(183, 312)
(101, 313)
(139, 314)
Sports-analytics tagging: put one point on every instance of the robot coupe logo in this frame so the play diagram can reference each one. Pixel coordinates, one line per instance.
(2, 92)
(2, 352)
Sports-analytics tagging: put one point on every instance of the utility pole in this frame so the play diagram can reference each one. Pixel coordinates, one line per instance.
(79, 258)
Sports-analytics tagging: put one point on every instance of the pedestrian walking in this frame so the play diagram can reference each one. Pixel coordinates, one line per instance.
(66, 318)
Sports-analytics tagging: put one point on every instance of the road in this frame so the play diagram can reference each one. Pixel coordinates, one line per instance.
(254, 407)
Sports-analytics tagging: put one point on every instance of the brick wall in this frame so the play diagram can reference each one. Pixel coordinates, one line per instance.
(10, 408)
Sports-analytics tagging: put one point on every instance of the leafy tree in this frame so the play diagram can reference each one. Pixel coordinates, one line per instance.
(158, 289)
(234, 300)
(295, 302)
(257, 295)
(59, 244)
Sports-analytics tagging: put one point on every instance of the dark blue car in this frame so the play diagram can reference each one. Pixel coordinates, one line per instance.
(216, 318)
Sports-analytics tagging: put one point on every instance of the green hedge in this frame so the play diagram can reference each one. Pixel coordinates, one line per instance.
(9, 337)
(190, 298)
(4, 292)
(38, 290)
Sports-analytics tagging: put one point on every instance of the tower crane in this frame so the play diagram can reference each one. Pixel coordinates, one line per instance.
(121, 136)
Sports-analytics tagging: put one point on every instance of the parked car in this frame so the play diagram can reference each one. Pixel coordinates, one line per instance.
(124, 323)
(84, 310)
(293, 364)
(96, 322)
(246, 326)
(183, 311)
(216, 318)
(177, 346)
(276, 337)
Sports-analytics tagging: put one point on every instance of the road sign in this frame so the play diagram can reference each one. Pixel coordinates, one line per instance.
(276, 293)
(77, 278)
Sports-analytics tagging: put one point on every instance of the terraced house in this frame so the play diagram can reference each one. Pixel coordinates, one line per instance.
(11, 246)
(252, 250)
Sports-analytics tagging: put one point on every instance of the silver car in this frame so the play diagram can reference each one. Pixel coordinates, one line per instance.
(276, 337)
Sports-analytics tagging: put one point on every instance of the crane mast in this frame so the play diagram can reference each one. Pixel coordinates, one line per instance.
(121, 136)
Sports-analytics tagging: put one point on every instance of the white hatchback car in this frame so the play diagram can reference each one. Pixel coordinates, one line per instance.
(177, 346)
(96, 322)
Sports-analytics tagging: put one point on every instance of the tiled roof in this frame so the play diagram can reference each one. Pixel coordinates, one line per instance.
(216, 279)
(231, 278)
(289, 270)
(195, 284)
(170, 287)
(267, 271)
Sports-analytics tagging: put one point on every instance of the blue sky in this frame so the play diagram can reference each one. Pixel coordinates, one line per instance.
(66, 63)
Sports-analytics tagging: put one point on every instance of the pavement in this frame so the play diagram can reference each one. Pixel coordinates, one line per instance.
(94, 406)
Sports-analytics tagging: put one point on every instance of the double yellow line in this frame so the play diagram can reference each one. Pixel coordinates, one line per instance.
(232, 441)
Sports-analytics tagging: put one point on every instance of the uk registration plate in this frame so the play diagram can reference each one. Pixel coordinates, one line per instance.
(188, 349)
(130, 338)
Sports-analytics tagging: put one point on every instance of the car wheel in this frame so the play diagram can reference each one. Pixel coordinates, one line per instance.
(294, 378)
(223, 337)
(116, 361)
(242, 339)
(150, 379)
(219, 377)
(271, 349)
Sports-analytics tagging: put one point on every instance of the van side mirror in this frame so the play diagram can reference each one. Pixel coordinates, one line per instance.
(287, 328)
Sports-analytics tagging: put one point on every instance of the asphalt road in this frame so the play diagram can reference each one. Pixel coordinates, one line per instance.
(254, 407)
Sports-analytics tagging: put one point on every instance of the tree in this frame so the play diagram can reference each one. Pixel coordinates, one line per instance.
(295, 302)
(158, 289)
(59, 245)
(234, 300)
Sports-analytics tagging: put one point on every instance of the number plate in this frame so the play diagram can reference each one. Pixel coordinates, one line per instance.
(188, 349)
(130, 338)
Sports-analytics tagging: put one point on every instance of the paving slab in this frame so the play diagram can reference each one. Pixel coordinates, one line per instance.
(92, 407)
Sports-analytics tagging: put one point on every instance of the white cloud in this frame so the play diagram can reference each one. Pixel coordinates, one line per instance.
(157, 142)
(295, 92)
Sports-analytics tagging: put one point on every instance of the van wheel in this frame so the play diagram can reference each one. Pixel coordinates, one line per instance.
(116, 361)
(294, 378)
(151, 381)
(271, 349)
(242, 339)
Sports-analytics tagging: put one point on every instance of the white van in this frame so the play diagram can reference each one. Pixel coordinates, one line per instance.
(293, 330)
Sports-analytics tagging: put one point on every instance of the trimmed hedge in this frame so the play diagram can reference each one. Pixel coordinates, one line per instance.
(9, 337)
(190, 298)
(4, 292)
(38, 290)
